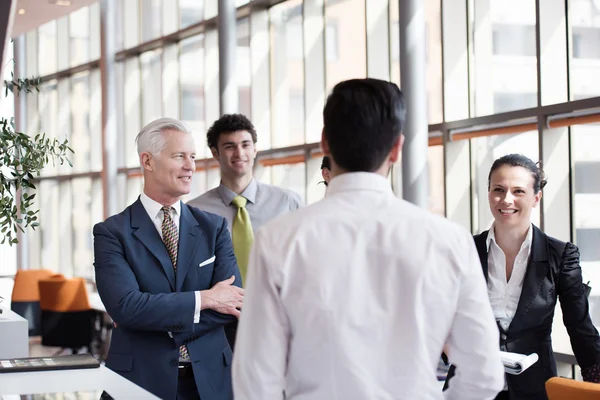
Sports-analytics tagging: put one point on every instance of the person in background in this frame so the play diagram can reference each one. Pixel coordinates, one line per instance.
(526, 271)
(354, 296)
(168, 277)
(244, 202)
(326, 170)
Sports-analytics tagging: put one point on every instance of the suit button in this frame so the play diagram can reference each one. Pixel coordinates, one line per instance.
(503, 336)
(174, 362)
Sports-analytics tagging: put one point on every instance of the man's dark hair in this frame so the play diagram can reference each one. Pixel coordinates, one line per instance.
(229, 123)
(362, 120)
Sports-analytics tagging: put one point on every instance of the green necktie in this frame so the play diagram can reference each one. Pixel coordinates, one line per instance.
(242, 235)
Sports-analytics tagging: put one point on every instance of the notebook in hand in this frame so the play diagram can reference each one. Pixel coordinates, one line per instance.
(515, 363)
(75, 361)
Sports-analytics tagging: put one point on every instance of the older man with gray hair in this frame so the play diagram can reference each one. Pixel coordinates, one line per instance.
(168, 277)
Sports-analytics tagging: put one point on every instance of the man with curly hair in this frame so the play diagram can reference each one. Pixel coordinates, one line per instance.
(245, 203)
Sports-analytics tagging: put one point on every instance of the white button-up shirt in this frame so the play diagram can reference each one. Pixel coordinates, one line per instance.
(154, 210)
(504, 296)
(355, 296)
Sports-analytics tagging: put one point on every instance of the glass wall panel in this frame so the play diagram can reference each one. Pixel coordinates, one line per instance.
(79, 33)
(287, 74)
(584, 18)
(151, 86)
(151, 19)
(505, 77)
(190, 12)
(133, 109)
(586, 201)
(82, 227)
(48, 111)
(192, 91)
(47, 54)
(48, 202)
(290, 176)
(135, 185)
(131, 23)
(243, 70)
(345, 41)
(95, 132)
(80, 116)
(436, 179)
(484, 151)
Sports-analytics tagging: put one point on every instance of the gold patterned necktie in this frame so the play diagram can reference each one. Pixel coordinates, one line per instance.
(170, 236)
(242, 235)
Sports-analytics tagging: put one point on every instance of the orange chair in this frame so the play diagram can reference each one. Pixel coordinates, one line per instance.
(569, 389)
(67, 318)
(25, 299)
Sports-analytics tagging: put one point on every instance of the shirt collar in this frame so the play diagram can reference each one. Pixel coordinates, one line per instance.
(526, 243)
(350, 181)
(153, 208)
(249, 193)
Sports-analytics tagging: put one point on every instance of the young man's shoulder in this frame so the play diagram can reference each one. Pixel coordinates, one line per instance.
(270, 190)
(204, 197)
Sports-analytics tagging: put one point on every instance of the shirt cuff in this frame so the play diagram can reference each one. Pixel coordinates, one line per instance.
(198, 307)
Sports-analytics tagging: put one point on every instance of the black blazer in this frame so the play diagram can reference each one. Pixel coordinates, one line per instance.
(552, 271)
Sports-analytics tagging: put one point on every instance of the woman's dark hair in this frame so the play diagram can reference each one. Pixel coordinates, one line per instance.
(326, 163)
(519, 160)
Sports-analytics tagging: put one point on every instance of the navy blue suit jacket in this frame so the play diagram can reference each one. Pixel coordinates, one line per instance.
(153, 306)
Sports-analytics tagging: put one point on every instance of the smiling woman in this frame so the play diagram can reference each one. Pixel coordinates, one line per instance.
(526, 272)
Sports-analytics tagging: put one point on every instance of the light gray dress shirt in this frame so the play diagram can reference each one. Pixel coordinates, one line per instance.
(265, 202)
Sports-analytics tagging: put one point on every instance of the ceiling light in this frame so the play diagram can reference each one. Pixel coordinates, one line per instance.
(62, 2)
(21, 11)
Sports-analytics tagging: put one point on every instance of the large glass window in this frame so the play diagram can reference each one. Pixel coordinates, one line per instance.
(586, 193)
(151, 19)
(243, 66)
(48, 111)
(290, 176)
(287, 74)
(505, 75)
(80, 117)
(436, 179)
(345, 41)
(192, 91)
(584, 16)
(47, 53)
(151, 86)
(190, 12)
(79, 33)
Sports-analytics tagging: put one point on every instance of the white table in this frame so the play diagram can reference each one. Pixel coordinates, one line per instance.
(14, 335)
(83, 380)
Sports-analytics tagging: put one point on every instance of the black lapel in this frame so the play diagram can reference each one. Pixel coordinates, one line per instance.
(189, 232)
(537, 268)
(481, 245)
(146, 232)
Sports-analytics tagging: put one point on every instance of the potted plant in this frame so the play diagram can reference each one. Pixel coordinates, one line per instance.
(22, 157)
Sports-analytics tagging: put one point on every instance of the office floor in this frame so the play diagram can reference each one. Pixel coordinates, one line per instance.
(37, 350)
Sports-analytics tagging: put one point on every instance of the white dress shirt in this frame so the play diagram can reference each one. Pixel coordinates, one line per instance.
(504, 296)
(354, 297)
(155, 213)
